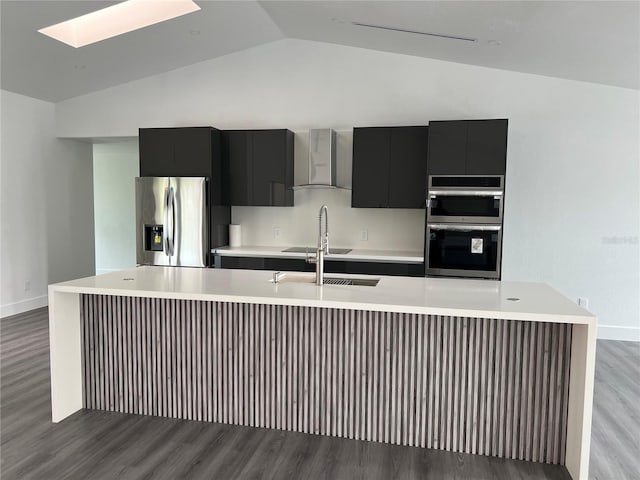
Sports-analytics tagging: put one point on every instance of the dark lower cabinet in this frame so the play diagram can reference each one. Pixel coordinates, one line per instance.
(330, 266)
(389, 167)
(467, 147)
(259, 167)
(378, 268)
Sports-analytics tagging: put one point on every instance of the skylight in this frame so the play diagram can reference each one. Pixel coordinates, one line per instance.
(117, 19)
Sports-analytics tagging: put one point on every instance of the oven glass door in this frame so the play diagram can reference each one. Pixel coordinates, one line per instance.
(464, 250)
(457, 207)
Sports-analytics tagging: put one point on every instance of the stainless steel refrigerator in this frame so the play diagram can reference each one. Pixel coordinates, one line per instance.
(171, 216)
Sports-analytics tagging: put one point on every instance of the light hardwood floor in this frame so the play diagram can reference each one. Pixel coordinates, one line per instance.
(102, 445)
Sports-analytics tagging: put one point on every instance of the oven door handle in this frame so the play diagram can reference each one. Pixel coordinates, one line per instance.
(465, 193)
(464, 227)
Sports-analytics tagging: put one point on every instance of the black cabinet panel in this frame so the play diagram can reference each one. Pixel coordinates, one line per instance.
(260, 165)
(156, 152)
(288, 265)
(408, 167)
(467, 147)
(330, 266)
(236, 152)
(389, 167)
(447, 148)
(370, 174)
(269, 168)
(249, 263)
(486, 147)
(175, 152)
(192, 151)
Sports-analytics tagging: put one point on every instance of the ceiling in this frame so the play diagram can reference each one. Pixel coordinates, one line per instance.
(581, 40)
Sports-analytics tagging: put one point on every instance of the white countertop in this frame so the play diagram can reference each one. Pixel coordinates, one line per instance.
(353, 255)
(433, 296)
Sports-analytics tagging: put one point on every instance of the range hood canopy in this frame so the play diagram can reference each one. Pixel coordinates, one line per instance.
(322, 157)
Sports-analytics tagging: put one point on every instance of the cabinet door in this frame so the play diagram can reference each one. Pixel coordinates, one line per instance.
(408, 167)
(447, 148)
(486, 147)
(155, 146)
(377, 268)
(236, 147)
(288, 265)
(370, 175)
(192, 152)
(269, 160)
(247, 263)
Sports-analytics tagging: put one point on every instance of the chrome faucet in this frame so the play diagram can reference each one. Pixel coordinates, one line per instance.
(323, 245)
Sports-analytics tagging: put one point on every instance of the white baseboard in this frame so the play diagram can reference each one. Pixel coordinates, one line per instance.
(23, 306)
(612, 332)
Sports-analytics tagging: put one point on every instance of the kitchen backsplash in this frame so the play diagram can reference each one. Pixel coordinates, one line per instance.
(385, 229)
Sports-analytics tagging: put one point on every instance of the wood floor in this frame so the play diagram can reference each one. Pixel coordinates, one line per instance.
(101, 445)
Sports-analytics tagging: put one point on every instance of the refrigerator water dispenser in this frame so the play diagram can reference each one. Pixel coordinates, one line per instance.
(153, 238)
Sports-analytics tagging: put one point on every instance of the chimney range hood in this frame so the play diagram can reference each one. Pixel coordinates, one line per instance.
(322, 157)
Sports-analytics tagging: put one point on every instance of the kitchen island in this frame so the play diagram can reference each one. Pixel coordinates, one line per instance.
(494, 368)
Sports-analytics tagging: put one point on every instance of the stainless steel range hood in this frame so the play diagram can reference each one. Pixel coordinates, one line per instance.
(322, 157)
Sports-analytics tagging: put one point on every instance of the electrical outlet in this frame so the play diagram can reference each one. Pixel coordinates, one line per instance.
(276, 232)
(27, 285)
(583, 302)
(364, 235)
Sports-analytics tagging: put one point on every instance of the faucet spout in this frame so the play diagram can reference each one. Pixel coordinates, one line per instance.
(323, 245)
(323, 239)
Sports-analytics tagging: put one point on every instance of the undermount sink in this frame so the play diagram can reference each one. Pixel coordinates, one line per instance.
(360, 282)
(332, 251)
(311, 278)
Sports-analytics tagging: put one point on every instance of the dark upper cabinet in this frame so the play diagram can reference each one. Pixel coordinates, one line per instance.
(447, 148)
(389, 167)
(260, 166)
(176, 152)
(235, 152)
(467, 147)
(189, 152)
(370, 175)
(155, 146)
(487, 147)
(408, 167)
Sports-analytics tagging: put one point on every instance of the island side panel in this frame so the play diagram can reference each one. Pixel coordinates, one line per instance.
(398, 378)
(65, 350)
(583, 360)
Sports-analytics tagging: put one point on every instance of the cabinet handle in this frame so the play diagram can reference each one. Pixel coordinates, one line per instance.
(463, 227)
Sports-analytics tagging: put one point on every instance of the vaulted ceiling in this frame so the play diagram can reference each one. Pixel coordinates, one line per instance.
(580, 40)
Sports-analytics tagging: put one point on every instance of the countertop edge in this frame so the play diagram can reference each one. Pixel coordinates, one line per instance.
(345, 305)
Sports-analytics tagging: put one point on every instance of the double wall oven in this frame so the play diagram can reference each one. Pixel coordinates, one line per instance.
(464, 226)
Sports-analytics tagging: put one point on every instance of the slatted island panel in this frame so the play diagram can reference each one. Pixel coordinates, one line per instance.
(485, 386)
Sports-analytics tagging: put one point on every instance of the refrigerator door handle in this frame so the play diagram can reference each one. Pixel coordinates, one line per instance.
(173, 221)
(170, 224)
(165, 230)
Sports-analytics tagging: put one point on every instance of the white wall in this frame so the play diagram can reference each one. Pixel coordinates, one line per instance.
(26, 142)
(46, 205)
(573, 181)
(69, 189)
(115, 166)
